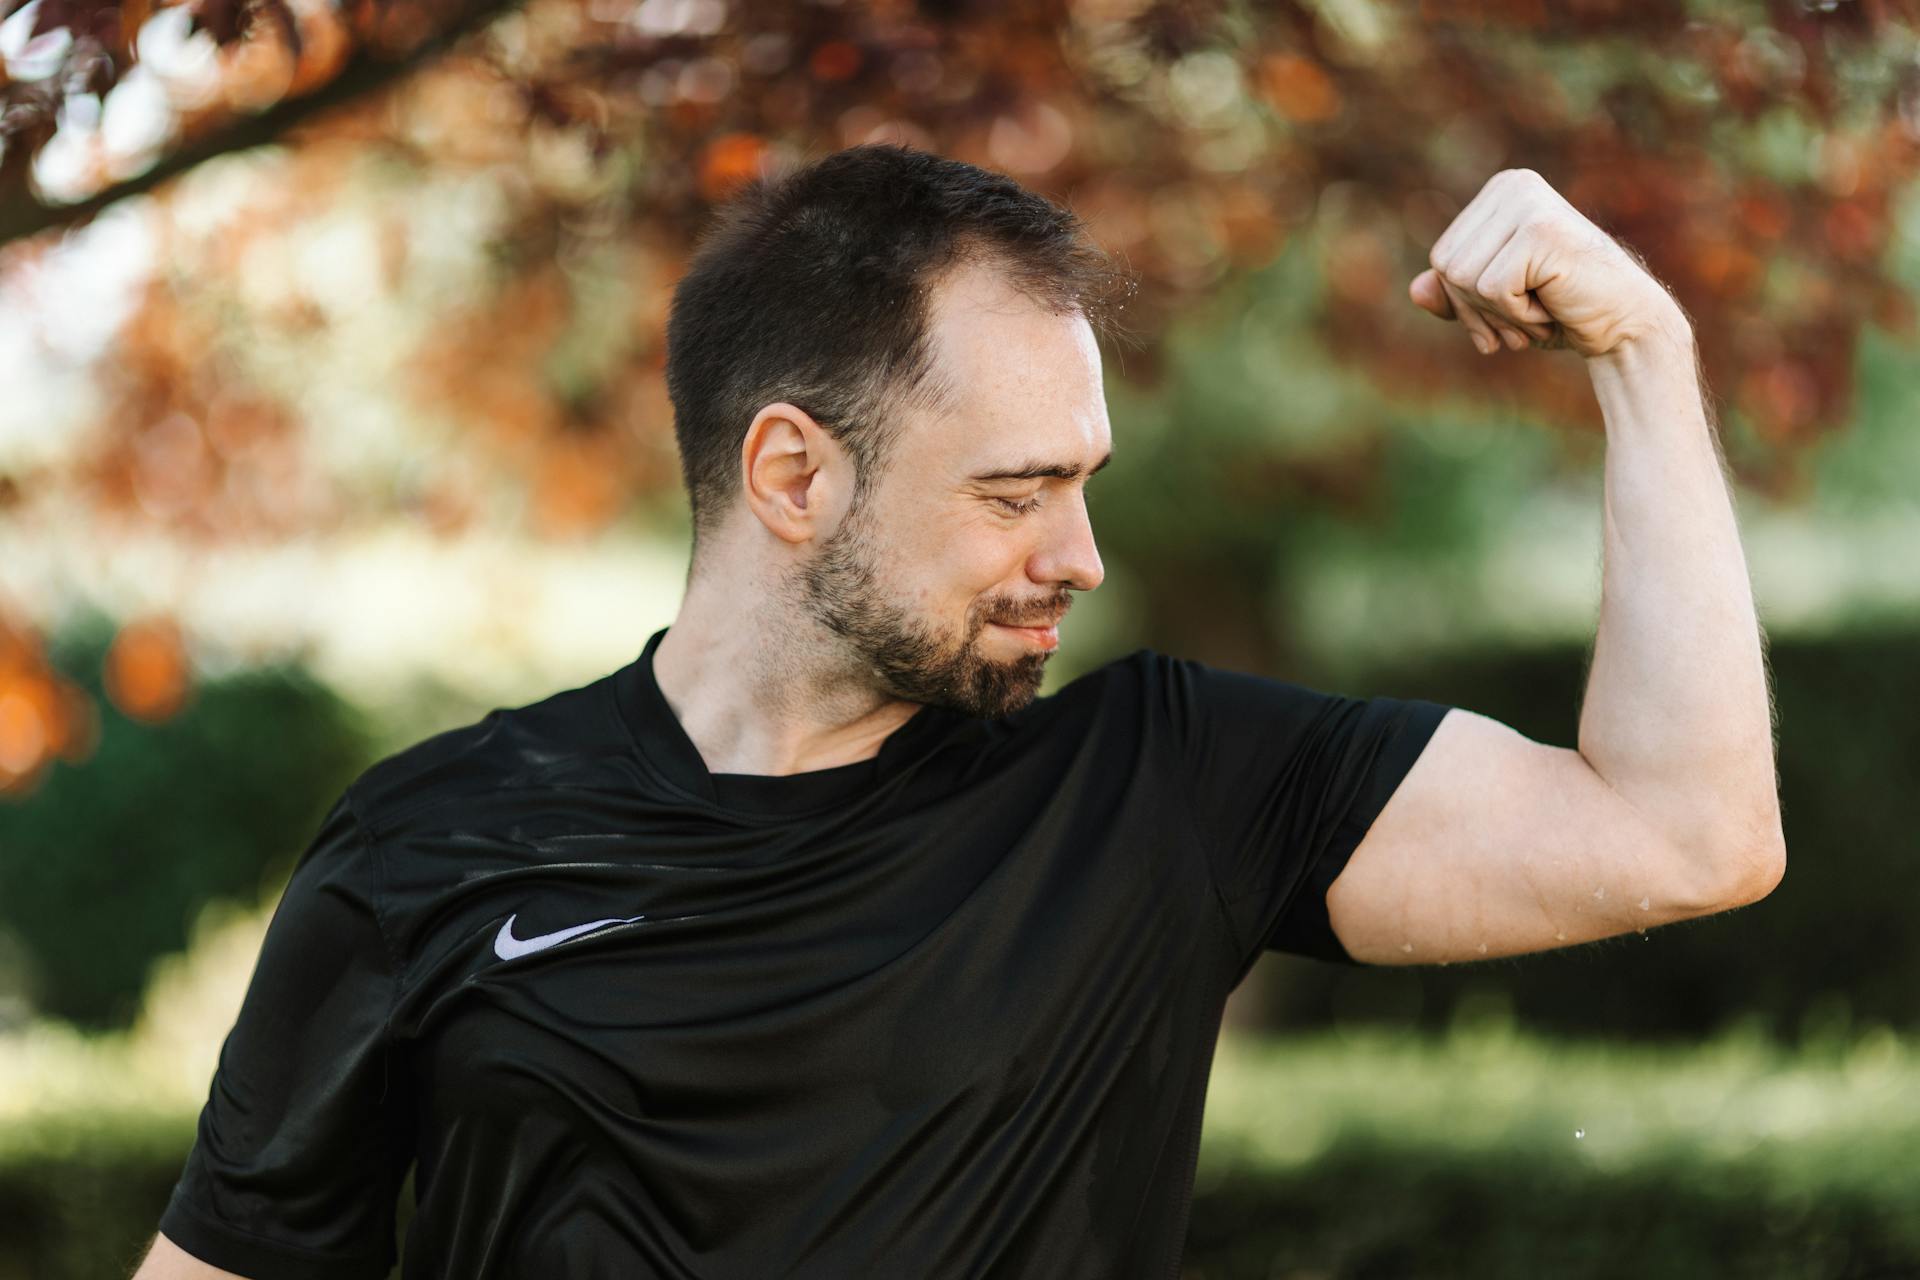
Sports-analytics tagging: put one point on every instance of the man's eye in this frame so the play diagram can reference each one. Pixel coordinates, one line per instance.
(1019, 508)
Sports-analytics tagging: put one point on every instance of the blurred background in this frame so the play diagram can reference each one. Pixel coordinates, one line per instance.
(332, 415)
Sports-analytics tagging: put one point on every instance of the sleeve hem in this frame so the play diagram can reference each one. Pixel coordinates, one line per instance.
(232, 1249)
(1311, 924)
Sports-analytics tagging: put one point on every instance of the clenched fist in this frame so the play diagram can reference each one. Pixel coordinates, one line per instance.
(1522, 265)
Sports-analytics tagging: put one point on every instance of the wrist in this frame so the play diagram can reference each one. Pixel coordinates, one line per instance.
(1664, 341)
(1653, 379)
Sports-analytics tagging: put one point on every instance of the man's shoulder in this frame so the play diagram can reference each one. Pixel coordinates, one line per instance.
(565, 738)
(1114, 677)
(1108, 688)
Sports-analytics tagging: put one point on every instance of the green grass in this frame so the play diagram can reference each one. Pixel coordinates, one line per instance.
(1838, 1113)
(1490, 1152)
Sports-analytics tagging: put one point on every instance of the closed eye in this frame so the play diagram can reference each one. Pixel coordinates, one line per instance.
(1021, 508)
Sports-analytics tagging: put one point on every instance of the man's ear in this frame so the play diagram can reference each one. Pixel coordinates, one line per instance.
(796, 478)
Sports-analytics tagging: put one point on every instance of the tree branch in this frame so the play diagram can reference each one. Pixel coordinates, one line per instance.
(21, 215)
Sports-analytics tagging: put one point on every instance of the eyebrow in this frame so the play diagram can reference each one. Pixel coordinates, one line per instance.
(1036, 470)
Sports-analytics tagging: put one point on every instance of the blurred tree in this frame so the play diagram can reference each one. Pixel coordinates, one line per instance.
(217, 801)
(1307, 152)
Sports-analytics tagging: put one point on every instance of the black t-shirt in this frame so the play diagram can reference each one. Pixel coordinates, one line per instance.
(945, 1012)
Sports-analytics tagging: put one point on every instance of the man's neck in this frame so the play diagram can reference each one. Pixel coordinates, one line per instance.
(758, 698)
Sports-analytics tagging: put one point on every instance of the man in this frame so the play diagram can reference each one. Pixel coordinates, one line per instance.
(811, 943)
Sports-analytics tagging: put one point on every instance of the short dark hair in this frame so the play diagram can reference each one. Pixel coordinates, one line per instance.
(813, 287)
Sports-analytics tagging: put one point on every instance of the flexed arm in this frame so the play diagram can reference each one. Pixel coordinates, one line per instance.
(1495, 844)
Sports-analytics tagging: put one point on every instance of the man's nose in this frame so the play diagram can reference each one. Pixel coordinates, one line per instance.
(1069, 555)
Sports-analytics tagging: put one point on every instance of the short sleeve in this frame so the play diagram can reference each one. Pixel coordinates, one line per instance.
(304, 1142)
(1284, 781)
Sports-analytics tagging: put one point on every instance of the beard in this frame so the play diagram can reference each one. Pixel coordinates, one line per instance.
(911, 658)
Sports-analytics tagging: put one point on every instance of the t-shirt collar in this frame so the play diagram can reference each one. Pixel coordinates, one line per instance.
(663, 743)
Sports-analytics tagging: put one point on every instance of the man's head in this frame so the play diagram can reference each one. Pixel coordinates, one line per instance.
(854, 349)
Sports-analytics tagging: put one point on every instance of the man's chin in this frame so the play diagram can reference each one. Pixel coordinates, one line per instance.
(1004, 686)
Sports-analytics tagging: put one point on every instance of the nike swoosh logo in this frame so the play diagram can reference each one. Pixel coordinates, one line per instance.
(506, 946)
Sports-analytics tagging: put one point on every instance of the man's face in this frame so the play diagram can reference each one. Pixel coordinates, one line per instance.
(917, 576)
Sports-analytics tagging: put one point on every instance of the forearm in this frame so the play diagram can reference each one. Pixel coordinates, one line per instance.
(1678, 714)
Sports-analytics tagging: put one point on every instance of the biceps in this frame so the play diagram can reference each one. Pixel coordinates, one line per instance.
(1495, 845)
